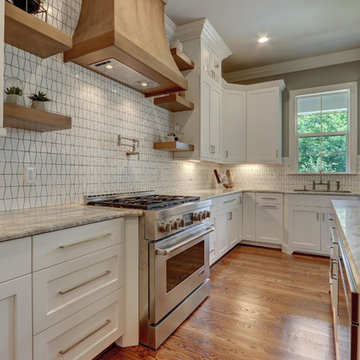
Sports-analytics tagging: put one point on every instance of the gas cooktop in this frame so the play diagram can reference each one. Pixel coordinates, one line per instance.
(147, 202)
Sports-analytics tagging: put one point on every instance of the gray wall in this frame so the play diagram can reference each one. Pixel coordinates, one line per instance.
(310, 78)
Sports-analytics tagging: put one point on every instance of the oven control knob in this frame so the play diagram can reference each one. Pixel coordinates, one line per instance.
(163, 227)
(203, 215)
(180, 222)
(208, 214)
(174, 225)
(197, 217)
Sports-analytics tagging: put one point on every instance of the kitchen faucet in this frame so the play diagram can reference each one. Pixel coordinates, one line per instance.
(314, 184)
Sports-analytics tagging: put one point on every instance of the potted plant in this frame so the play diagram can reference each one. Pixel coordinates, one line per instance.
(14, 95)
(172, 137)
(38, 100)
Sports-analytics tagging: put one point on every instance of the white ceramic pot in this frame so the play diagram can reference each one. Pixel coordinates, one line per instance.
(14, 99)
(39, 105)
(170, 138)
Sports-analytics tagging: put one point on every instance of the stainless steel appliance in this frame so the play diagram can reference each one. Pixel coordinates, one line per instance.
(348, 311)
(174, 259)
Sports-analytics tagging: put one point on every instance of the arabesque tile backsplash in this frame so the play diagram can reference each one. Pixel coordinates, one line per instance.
(86, 159)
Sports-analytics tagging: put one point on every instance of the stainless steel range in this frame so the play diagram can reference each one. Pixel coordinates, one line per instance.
(174, 259)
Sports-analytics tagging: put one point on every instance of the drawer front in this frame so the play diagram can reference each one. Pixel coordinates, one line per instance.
(60, 246)
(267, 198)
(229, 200)
(85, 334)
(64, 289)
(15, 258)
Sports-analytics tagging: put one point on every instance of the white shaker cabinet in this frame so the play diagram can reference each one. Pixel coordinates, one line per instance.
(234, 126)
(211, 127)
(264, 124)
(249, 209)
(269, 223)
(304, 222)
(15, 319)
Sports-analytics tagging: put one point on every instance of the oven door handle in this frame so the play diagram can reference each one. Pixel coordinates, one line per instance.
(171, 249)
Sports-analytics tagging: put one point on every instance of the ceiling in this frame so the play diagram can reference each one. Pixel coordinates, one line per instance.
(297, 28)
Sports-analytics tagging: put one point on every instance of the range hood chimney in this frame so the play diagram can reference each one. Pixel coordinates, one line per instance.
(125, 40)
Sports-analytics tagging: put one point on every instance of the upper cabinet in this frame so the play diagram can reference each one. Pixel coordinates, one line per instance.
(264, 123)
(203, 126)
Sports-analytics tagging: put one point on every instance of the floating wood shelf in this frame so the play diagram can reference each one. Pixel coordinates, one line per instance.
(22, 117)
(27, 32)
(182, 61)
(174, 146)
(174, 103)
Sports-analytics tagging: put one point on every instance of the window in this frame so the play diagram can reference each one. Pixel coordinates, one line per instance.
(323, 133)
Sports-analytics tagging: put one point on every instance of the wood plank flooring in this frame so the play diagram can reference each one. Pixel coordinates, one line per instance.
(264, 305)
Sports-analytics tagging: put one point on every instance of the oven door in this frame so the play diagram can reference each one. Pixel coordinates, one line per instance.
(348, 319)
(178, 266)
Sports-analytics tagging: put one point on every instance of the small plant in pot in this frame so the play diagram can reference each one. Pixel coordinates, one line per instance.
(172, 137)
(14, 95)
(38, 101)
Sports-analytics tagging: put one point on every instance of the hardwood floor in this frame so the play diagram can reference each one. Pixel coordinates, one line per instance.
(263, 305)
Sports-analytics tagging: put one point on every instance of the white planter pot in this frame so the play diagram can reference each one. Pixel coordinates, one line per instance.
(39, 105)
(170, 138)
(14, 99)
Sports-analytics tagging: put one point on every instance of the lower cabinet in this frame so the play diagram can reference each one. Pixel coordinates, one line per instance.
(309, 224)
(85, 334)
(227, 218)
(249, 208)
(15, 319)
(269, 223)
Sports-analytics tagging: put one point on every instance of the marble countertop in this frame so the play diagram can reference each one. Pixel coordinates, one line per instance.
(22, 223)
(217, 192)
(347, 214)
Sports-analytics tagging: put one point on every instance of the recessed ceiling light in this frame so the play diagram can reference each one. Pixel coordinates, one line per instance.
(109, 66)
(263, 39)
(144, 84)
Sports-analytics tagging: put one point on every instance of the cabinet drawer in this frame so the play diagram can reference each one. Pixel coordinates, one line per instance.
(60, 246)
(267, 198)
(229, 200)
(62, 290)
(85, 334)
(15, 258)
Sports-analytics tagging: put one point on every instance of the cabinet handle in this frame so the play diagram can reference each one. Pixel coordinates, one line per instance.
(63, 352)
(318, 216)
(227, 153)
(269, 198)
(277, 153)
(230, 216)
(332, 263)
(330, 216)
(269, 206)
(211, 251)
(229, 201)
(85, 241)
(323, 214)
(64, 292)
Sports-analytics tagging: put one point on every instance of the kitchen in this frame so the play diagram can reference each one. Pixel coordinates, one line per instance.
(117, 239)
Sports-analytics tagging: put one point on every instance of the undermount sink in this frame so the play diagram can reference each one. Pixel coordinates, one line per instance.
(324, 191)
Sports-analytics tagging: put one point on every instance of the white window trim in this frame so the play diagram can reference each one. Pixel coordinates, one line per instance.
(352, 148)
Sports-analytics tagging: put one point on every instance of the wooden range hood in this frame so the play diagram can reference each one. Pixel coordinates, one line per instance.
(125, 40)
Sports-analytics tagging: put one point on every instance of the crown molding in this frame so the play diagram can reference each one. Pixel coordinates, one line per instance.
(203, 29)
(170, 28)
(312, 62)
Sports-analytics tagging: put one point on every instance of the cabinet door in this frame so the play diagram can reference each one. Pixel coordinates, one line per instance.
(304, 228)
(15, 319)
(213, 236)
(233, 226)
(264, 125)
(249, 216)
(215, 123)
(206, 149)
(234, 126)
(325, 231)
(222, 239)
(269, 223)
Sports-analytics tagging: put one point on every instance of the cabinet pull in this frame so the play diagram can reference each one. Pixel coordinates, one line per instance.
(277, 153)
(85, 241)
(323, 214)
(269, 198)
(269, 206)
(229, 201)
(318, 216)
(227, 153)
(64, 292)
(229, 216)
(332, 263)
(63, 352)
